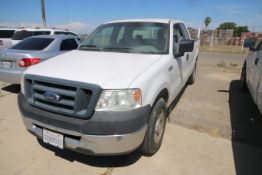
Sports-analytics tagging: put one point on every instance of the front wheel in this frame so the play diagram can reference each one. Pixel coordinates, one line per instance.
(155, 129)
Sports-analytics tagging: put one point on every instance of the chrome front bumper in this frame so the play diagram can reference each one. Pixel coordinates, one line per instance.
(10, 76)
(91, 144)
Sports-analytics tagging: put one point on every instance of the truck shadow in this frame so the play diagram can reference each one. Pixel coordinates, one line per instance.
(96, 161)
(246, 123)
(12, 88)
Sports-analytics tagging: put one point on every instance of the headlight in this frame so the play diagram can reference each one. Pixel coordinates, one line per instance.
(119, 100)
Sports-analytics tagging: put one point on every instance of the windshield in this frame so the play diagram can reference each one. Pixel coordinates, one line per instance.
(135, 37)
(33, 44)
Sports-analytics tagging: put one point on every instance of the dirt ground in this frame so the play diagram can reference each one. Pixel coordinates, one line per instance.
(215, 103)
(213, 128)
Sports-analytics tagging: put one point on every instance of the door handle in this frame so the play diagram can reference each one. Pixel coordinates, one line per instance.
(187, 57)
(256, 61)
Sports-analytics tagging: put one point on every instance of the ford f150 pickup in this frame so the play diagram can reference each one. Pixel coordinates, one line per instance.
(111, 95)
(251, 76)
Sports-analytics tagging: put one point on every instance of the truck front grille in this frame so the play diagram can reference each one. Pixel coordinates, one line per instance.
(76, 99)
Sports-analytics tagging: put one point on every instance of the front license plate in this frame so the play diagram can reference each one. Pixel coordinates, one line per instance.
(6, 64)
(53, 138)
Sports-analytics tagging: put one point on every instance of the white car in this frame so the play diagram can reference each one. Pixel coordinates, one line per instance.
(27, 32)
(5, 37)
(251, 77)
(111, 95)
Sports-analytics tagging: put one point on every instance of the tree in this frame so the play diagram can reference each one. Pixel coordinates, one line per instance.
(239, 30)
(227, 25)
(207, 21)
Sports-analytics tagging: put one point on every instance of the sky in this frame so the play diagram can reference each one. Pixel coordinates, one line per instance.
(82, 16)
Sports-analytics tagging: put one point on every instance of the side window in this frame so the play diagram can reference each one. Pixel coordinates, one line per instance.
(183, 29)
(42, 33)
(68, 44)
(177, 34)
(60, 33)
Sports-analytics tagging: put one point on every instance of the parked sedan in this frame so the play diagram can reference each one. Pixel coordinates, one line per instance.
(251, 77)
(33, 50)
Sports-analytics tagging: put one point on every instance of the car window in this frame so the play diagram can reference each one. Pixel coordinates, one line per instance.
(103, 37)
(60, 33)
(68, 44)
(177, 34)
(6, 33)
(33, 44)
(20, 35)
(41, 33)
(184, 30)
(129, 37)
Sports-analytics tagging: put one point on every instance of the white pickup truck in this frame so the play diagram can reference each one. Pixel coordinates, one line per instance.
(111, 95)
(251, 77)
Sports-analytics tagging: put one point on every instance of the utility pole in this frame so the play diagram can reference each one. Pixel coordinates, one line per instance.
(43, 12)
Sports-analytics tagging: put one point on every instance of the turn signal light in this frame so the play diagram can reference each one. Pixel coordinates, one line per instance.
(26, 62)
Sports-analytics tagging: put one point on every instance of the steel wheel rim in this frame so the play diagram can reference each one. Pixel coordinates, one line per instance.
(159, 128)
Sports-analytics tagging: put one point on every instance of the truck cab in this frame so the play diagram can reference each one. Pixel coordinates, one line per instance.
(111, 95)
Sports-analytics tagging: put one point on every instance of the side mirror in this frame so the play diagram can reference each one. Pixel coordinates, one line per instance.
(185, 45)
(249, 43)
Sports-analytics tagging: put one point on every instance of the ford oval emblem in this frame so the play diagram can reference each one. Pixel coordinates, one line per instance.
(52, 97)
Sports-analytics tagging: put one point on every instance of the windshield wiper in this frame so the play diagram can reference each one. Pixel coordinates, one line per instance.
(126, 49)
(89, 46)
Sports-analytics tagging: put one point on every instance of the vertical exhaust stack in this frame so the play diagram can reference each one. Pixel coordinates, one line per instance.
(43, 12)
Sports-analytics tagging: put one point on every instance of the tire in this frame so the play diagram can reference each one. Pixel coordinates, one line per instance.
(243, 79)
(155, 129)
(192, 78)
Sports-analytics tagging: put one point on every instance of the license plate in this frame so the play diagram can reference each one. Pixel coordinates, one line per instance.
(53, 138)
(6, 64)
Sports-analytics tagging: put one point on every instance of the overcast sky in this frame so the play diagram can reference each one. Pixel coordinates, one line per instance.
(83, 16)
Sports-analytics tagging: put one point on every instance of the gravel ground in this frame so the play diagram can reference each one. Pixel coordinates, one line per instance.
(215, 104)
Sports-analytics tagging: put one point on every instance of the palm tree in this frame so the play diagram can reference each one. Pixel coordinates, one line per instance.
(207, 21)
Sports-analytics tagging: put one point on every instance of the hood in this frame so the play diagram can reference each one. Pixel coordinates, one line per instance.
(106, 69)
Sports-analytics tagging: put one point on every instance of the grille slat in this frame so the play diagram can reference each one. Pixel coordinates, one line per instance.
(54, 108)
(75, 99)
(62, 101)
(56, 90)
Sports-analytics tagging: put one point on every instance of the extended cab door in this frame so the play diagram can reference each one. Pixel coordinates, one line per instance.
(254, 68)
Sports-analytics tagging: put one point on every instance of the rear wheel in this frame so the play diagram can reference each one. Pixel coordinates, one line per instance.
(243, 79)
(155, 129)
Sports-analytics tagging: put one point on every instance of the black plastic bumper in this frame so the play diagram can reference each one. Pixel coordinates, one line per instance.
(101, 123)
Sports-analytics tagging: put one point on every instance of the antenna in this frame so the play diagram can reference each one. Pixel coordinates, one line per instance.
(66, 10)
(43, 12)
